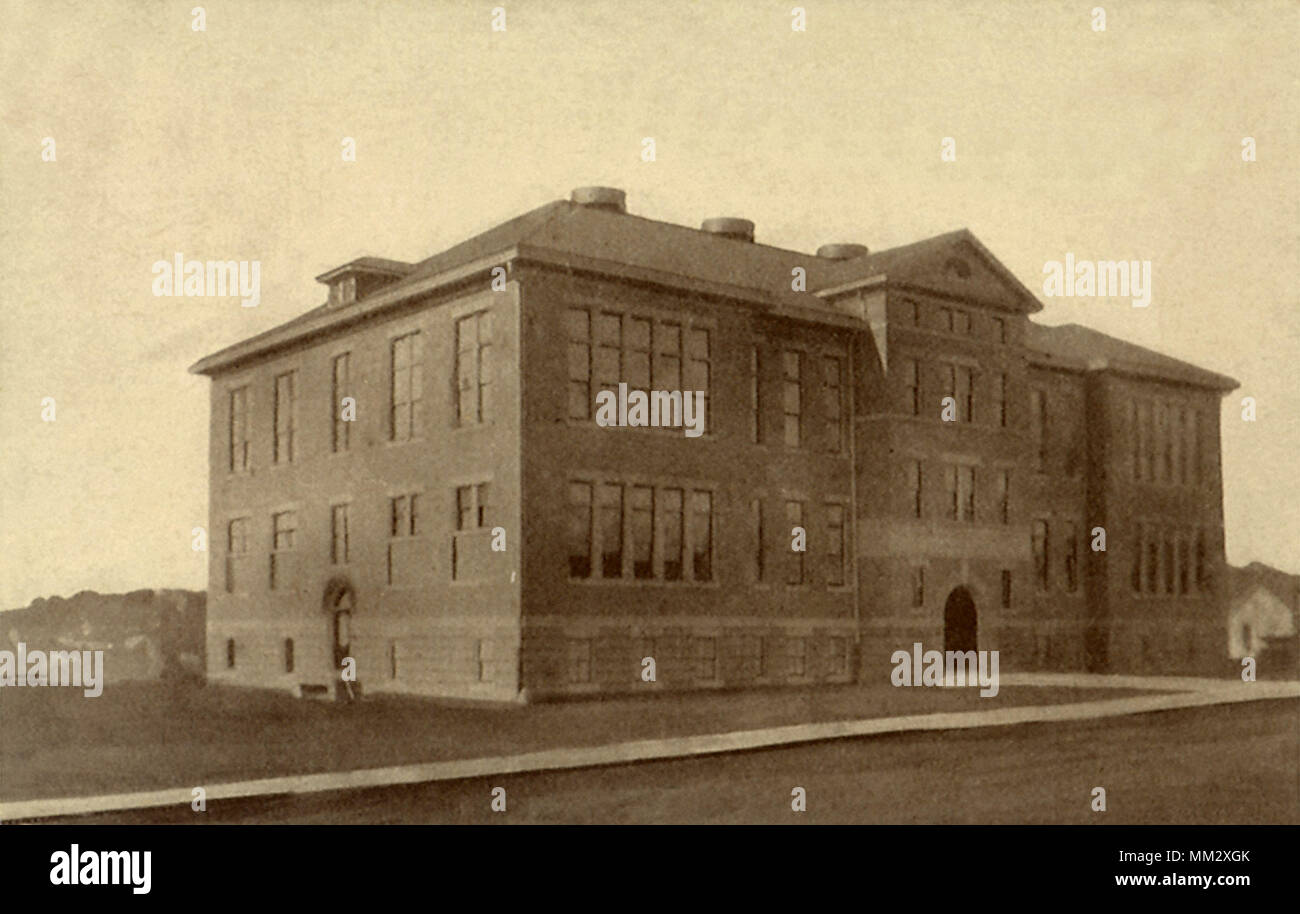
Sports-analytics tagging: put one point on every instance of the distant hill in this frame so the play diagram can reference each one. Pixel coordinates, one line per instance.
(145, 634)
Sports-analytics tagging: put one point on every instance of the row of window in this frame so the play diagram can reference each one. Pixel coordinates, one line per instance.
(662, 533)
(795, 419)
(959, 480)
(473, 334)
(666, 533)
(474, 513)
(605, 348)
(1165, 443)
(1170, 561)
(481, 658)
(770, 656)
(947, 319)
(1042, 548)
(960, 382)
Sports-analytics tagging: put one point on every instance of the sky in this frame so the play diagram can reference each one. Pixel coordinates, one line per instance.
(226, 144)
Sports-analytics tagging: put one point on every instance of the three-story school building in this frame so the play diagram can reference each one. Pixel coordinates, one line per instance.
(411, 474)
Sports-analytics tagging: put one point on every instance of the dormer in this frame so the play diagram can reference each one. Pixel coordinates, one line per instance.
(362, 277)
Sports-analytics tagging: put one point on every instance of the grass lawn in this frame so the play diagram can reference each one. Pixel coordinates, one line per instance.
(149, 735)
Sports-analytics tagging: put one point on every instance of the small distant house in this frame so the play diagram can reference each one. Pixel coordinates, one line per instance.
(1256, 621)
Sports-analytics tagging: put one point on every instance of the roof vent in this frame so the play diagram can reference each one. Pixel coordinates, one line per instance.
(842, 251)
(609, 198)
(729, 227)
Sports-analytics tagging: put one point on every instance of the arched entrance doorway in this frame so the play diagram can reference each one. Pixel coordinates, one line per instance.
(338, 603)
(959, 623)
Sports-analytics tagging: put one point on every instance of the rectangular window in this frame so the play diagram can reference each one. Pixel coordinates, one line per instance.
(796, 656)
(795, 567)
(1038, 427)
(832, 404)
(702, 535)
(954, 499)
(609, 511)
(1194, 445)
(473, 344)
(964, 379)
(579, 650)
(236, 553)
(579, 529)
(339, 547)
(1167, 443)
(577, 331)
(239, 450)
(670, 505)
(999, 330)
(834, 545)
(667, 368)
(1000, 389)
(1071, 557)
(607, 365)
(469, 546)
(699, 369)
(1147, 442)
(636, 353)
(1170, 571)
(1152, 570)
(230, 653)
(837, 656)
(1041, 569)
(918, 586)
(237, 536)
(643, 525)
(946, 320)
(950, 386)
(405, 388)
(288, 655)
(1178, 470)
(760, 565)
(1135, 569)
(961, 493)
(1184, 563)
(340, 387)
(914, 313)
(912, 374)
(1006, 588)
(1135, 423)
(914, 481)
(1202, 573)
(705, 652)
(792, 396)
(966, 493)
(404, 516)
(473, 511)
(284, 416)
(755, 395)
(283, 532)
(1004, 496)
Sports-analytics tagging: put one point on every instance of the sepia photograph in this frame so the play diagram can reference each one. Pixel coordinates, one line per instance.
(691, 413)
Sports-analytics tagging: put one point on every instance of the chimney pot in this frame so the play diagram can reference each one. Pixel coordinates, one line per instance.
(842, 251)
(729, 227)
(607, 198)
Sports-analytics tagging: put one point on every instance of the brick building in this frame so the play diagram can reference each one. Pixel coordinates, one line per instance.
(473, 377)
